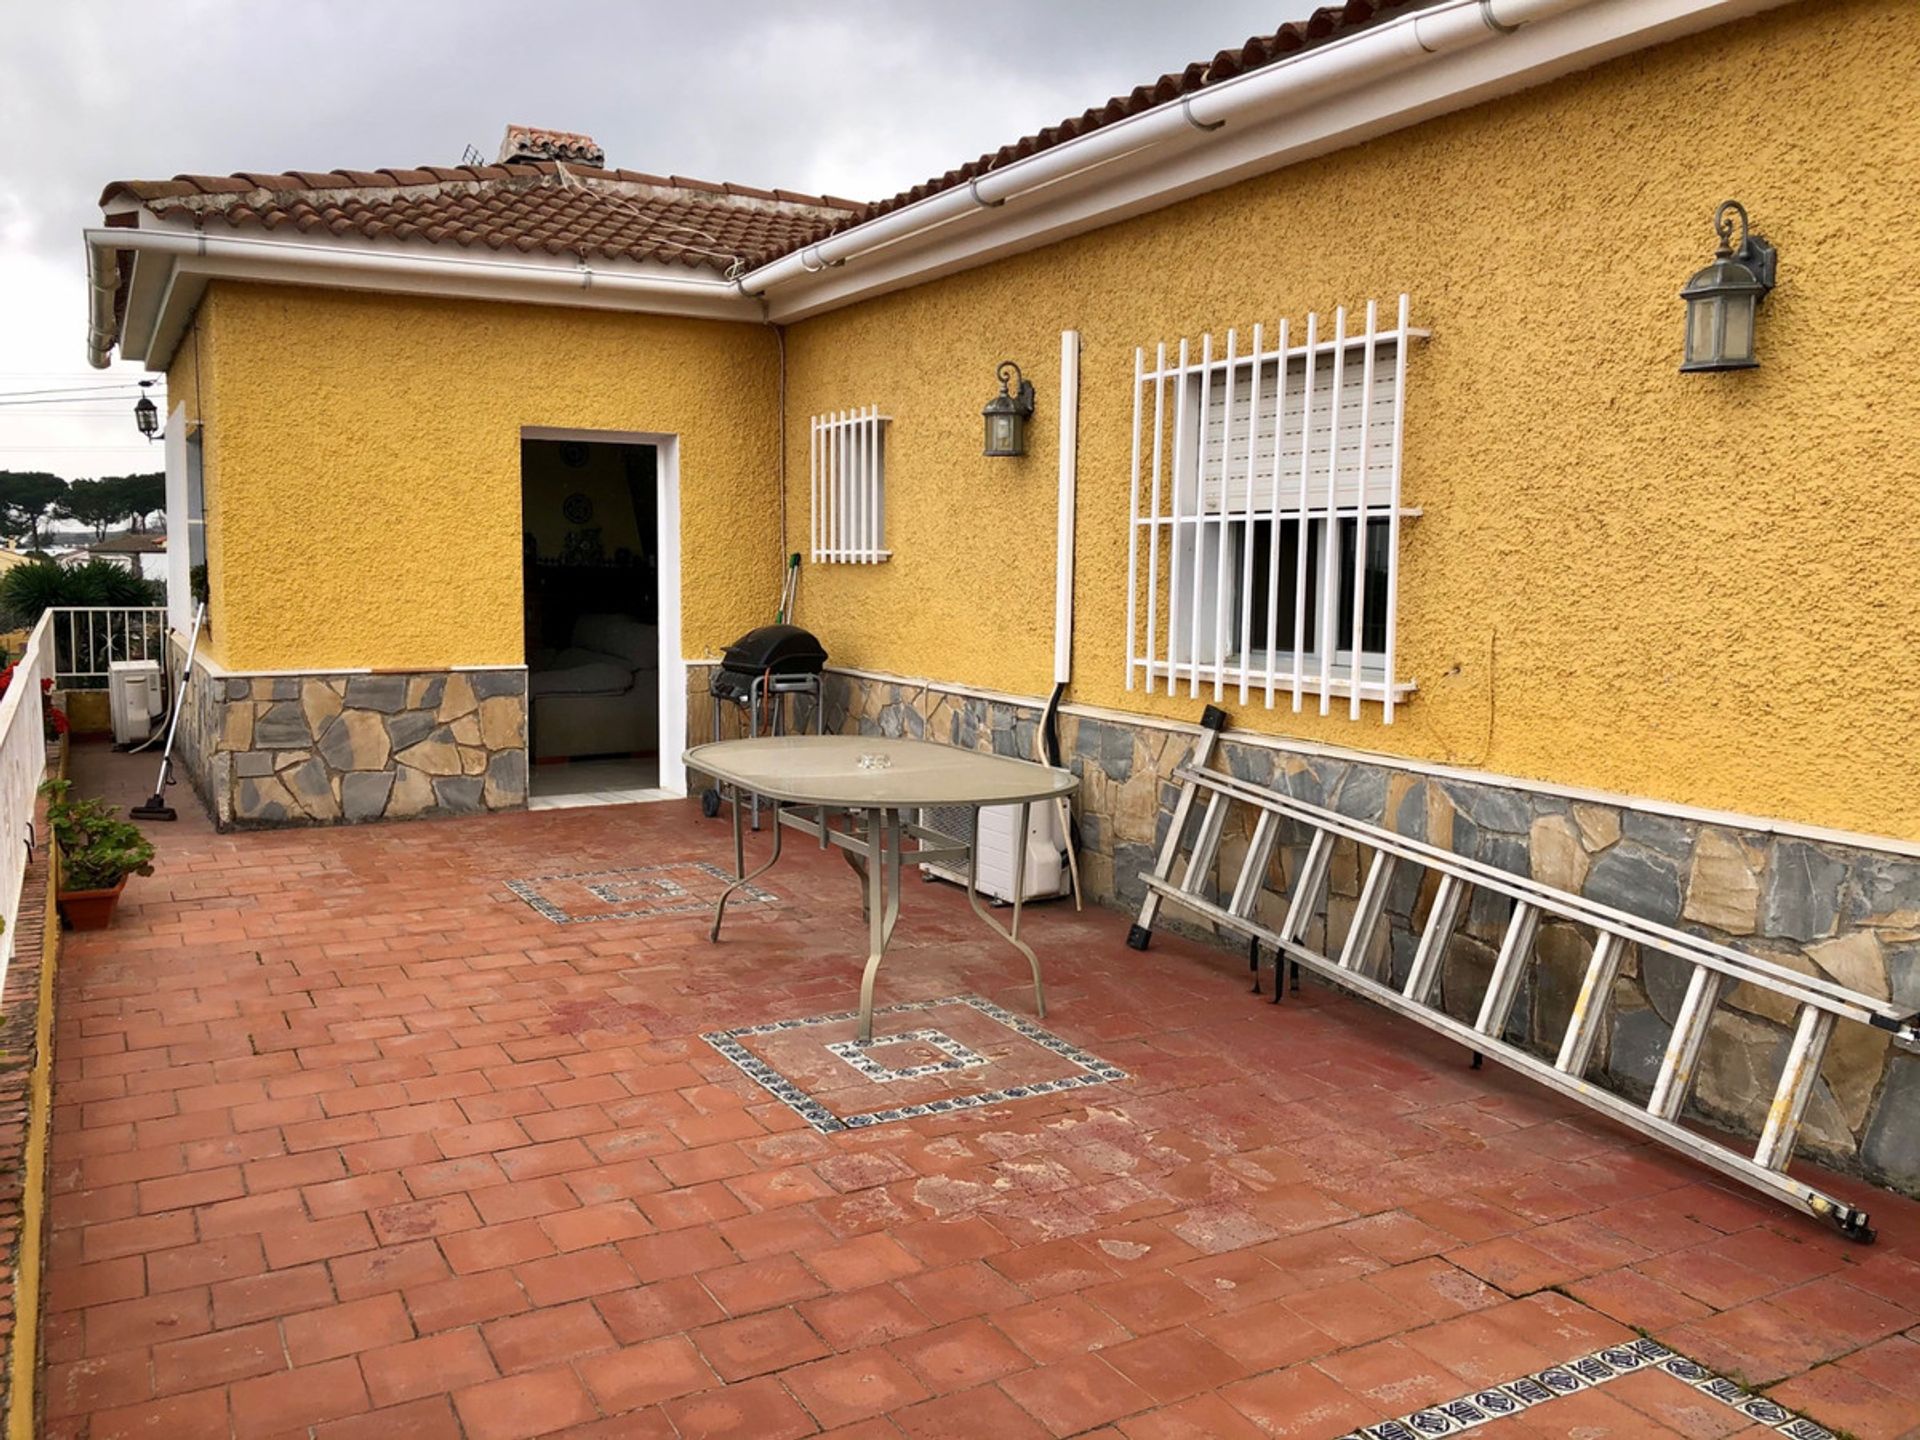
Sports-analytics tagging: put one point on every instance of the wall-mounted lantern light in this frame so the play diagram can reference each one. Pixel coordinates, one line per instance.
(1721, 299)
(1007, 413)
(145, 413)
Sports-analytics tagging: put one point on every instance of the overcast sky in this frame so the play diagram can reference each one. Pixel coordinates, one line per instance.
(859, 98)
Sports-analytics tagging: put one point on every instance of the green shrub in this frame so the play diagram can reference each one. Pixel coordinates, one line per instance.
(97, 848)
(28, 591)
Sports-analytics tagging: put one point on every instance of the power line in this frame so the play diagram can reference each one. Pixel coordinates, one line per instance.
(8, 404)
(83, 390)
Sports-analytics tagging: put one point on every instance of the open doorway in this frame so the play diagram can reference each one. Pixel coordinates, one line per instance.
(590, 538)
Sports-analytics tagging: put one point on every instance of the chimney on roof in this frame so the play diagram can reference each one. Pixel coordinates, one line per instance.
(529, 142)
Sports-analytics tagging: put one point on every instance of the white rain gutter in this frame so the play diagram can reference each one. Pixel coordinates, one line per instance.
(1169, 136)
(211, 254)
(1309, 78)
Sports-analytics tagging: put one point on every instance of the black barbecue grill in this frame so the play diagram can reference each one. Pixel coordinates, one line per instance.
(756, 677)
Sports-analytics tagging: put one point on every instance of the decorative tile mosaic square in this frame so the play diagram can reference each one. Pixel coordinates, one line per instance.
(1457, 1417)
(683, 887)
(977, 1054)
(863, 1058)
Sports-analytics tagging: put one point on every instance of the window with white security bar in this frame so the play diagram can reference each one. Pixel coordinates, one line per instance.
(849, 466)
(1264, 552)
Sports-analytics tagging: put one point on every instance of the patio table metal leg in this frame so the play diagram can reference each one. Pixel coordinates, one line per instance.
(740, 863)
(1011, 936)
(883, 903)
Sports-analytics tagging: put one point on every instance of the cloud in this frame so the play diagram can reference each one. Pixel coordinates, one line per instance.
(861, 98)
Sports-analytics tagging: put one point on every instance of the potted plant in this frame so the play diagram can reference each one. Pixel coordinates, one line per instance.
(98, 851)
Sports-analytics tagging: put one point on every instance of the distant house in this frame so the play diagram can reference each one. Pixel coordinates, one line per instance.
(144, 554)
(11, 555)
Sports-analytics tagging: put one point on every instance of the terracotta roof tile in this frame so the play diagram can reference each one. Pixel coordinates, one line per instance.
(526, 205)
(1327, 23)
(540, 206)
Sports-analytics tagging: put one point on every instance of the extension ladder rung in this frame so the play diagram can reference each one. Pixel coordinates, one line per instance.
(1713, 970)
(1368, 912)
(1649, 934)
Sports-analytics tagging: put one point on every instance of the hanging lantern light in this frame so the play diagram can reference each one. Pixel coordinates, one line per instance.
(1723, 298)
(1007, 413)
(145, 413)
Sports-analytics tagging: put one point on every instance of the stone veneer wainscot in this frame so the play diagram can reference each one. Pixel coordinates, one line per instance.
(305, 749)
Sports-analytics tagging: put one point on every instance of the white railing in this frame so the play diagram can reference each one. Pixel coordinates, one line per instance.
(89, 638)
(23, 764)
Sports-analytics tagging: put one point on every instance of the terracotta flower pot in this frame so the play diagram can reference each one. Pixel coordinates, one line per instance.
(91, 909)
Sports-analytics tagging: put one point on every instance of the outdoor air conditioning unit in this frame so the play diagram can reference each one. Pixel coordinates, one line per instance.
(133, 697)
(1047, 873)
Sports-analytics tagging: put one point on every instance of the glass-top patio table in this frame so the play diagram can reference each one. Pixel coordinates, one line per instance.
(880, 785)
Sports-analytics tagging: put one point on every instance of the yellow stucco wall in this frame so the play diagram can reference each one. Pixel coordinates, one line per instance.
(1696, 588)
(366, 506)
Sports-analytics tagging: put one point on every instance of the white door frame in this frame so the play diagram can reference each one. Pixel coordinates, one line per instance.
(672, 719)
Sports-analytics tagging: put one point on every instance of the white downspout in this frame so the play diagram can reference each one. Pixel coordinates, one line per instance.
(1069, 474)
(103, 280)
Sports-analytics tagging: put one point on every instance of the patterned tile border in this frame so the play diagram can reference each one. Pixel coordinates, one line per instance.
(1093, 1070)
(1478, 1407)
(679, 900)
(959, 1057)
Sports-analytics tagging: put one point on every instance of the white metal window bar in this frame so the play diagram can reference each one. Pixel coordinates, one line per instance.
(849, 466)
(1273, 505)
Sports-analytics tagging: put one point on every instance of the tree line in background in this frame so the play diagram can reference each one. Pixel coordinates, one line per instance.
(29, 497)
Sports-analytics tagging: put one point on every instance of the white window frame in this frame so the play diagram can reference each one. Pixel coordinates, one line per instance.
(1182, 471)
(849, 487)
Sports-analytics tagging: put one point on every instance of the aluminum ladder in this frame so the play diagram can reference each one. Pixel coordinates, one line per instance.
(1715, 969)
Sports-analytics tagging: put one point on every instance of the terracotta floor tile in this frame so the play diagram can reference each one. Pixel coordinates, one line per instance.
(646, 1312)
(758, 1345)
(204, 1412)
(1756, 1343)
(1301, 1401)
(275, 1404)
(761, 1284)
(960, 1356)
(1149, 1302)
(854, 1386)
(1844, 1399)
(347, 1329)
(523, 1405)
(859, 1318)
(1676, 1405)
(1070, 1396)
(553, 1335)
(858, 1263)
(753, 1410)
(969, 1415)
(1205, 1417)
(1637, 1300)
(439, 1363)
(1053, 1268)
(1266, 1337)
(415, 1162)
(1393, 1375)
(645, 1374)
(958, 1291)
(1174, 1364)
(1059, 1328)
(429, 1419)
